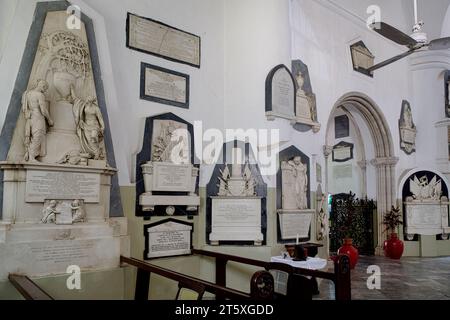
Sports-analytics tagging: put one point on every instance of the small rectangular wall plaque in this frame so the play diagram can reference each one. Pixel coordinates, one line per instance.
(168, 238)
(164, 86)
(159, 39)
(343, 152)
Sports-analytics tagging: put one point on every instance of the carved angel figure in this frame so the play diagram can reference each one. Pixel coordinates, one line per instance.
(424, 190)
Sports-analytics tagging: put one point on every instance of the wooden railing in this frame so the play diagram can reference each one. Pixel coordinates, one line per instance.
(143, 281)
(340, 277)
(27, 288)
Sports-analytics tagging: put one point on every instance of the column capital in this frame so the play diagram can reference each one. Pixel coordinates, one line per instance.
(363, 164)
(327, 150)
(385, 161)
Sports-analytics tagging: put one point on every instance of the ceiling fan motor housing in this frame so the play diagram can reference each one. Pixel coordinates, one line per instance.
(420, 37)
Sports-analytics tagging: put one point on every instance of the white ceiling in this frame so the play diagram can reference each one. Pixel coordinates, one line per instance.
(400, 13)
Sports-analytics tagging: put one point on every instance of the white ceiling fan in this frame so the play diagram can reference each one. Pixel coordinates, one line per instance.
(414, 42)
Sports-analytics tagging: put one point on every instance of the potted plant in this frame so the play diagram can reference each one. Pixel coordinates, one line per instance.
(393, 247)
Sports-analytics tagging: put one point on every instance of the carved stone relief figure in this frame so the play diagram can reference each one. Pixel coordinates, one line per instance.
(295, 184)
(237, 185)
(35, 109)
(49, 213)
(90, 126)
(422, 189)
(171, 143)
(78, 213)
(408, 130)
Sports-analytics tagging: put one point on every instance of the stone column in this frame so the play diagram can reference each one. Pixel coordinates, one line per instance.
(428, 84)
(363, 166)
(327, 150)
(386, 194)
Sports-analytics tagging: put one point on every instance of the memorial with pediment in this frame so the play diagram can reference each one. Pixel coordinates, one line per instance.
(166, 176)
(236, 199)
(58, 170)
(426, 205)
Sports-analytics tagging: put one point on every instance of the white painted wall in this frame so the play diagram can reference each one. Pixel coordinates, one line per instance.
(241, 42)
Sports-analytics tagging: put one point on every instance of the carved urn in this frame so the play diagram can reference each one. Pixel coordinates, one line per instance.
(63, 81)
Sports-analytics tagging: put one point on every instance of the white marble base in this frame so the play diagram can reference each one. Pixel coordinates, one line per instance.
(308, 122)
(149, 201)
(44, 250)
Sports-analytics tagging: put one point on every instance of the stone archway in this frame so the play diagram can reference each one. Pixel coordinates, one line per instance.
(384, 160)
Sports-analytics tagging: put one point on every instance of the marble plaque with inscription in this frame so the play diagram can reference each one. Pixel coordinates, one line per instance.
(426, 218)
(236, 219)
(168, 238)
(295, 224)
(343, 152)
(280, 92)
(56, 185)
(154, 37)
(172, 177)
(164, 86)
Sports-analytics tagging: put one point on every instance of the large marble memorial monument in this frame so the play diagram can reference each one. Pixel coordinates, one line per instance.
(305, 102)
(294, 213)
(236, 200)
(60, 199)
(166, 176)
(426, 209)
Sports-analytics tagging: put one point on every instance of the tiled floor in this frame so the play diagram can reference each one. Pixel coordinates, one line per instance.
(405, 279)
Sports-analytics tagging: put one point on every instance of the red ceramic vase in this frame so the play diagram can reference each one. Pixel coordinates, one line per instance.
(393, 247)
(351, 251)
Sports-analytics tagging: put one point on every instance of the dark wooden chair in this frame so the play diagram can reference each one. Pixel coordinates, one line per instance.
(262, 286)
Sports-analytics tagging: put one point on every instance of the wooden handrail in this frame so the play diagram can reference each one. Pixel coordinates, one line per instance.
(27, 288)
(340, 277)
(209, 286)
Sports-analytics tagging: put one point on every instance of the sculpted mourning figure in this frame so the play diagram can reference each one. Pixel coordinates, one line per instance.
(34, 107)
(90, 125)
(299, 171)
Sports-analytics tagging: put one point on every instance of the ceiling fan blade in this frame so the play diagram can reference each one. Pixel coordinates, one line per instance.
(393, 34)
(391, 60)
(439, 44)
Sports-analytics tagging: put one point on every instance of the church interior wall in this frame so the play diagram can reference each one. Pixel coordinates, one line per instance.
(241, 42)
